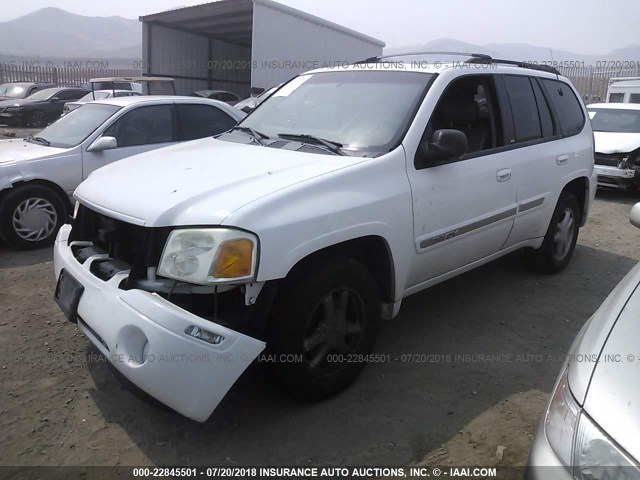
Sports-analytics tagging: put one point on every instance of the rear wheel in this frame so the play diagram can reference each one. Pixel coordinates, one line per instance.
(30, 216)
(560, 240)
(325, 320)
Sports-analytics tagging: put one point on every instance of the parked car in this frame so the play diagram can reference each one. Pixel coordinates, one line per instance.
(222, 95)
(97, 95)
(16, 90)
(592, 424)
(303, 226)
(624, 90)
(250, 104)
(39, 109)
(143, 85)
(38, 174)
(616, 129)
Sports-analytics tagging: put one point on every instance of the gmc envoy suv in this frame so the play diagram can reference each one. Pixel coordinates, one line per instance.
(301, 228)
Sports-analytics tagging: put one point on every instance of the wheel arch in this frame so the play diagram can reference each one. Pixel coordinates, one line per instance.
(373, 251)
(42, 182)
(579, 187)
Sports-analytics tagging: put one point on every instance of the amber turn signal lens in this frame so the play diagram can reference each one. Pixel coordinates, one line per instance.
(234, 259)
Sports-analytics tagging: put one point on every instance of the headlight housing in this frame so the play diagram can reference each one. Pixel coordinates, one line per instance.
(585, 450)
(597, 457)
(561, 421)
(206, 256)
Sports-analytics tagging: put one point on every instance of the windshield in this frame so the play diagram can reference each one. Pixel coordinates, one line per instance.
(89, 97)
(44, 94)
(615, 120)
(364, 111)
(77, 125)
(12, 91)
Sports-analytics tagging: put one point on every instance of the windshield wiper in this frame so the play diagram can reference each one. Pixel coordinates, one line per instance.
(332, 146)
(257, 136)
(41, 140)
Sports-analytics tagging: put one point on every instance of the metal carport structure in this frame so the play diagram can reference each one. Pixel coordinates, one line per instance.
(238, 44)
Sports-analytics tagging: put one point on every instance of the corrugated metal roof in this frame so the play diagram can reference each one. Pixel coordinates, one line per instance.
(233, 20)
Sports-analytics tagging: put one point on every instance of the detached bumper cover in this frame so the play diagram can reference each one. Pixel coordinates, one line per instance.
(143, 336)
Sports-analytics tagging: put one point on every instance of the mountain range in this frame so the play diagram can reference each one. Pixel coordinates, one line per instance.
(55, 33)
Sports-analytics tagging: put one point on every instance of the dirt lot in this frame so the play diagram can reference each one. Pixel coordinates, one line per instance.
(61, 404)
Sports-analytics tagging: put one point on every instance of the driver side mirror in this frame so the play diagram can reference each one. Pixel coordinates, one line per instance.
(446, 146)
(103, 143)
(634, 216)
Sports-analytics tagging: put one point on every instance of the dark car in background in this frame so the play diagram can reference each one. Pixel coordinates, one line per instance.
(15, 90)
(221, 95)
(38, 109)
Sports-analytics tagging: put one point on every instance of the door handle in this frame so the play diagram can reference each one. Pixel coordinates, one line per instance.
(503, 175)
(562, 160)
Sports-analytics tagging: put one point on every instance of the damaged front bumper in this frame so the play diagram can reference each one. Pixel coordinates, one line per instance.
(184, 361)
(616, 177)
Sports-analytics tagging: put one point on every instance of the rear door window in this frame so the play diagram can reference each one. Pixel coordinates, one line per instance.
(524, 108)
(567, 106)
(199, 121)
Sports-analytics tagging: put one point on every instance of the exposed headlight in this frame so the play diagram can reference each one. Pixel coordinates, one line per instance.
(561, 421)
(597, 457)
(585, 450)
(209, 255)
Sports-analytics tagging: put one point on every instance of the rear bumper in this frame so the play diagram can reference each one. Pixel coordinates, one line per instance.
(143, 336)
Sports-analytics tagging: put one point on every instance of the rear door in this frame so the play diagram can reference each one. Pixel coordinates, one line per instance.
(199, 121)
(139, 130)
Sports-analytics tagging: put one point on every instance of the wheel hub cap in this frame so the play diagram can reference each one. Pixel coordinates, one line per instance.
(34, 219)
(336, 326)
(564, 234)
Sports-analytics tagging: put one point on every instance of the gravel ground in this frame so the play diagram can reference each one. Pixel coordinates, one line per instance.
(62, 406)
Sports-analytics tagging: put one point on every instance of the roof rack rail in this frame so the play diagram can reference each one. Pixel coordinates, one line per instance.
(478, 56)
(531, 66)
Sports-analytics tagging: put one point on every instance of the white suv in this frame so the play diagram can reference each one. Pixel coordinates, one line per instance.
(298, 230)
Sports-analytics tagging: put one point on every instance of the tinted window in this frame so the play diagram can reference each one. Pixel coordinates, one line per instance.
(524, 108)
(616, 98)
(228, 97)
(199, 121)
(143, 126)
(634, 98)
(546, 120)
(469, 105)
(70, 94)
(566, 105)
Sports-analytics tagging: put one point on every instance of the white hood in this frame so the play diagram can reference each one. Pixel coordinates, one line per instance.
(15, 150)
(200, 182)
(612, 142)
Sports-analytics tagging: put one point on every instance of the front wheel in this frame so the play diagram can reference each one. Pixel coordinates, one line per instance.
(30, 216)
(325, 321)
(560, 240)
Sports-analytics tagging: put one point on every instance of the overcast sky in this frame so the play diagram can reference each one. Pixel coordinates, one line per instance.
(581, 26)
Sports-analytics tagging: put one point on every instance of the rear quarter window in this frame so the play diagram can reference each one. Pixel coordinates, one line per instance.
(567, 106)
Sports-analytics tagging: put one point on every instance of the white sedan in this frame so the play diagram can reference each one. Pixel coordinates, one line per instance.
(38, 174)
(98, 95)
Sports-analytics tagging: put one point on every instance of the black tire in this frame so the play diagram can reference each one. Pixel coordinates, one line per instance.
(550, 257)
(47, 206)
(37, 118)
(297, 320)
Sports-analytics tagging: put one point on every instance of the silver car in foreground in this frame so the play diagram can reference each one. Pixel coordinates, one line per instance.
(38, 174)
(591, 429)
